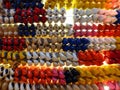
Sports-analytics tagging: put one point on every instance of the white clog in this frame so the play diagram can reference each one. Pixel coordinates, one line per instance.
(69, 56)
(68, 87)
(35, 55)
(42, 55)
(28, 55)
(16, 86)
(11, 86)
(82, 87)
(62, 11)
(75, 87)
(75, 58)
(48, 57)
(75, 11)
(88, 12)
(62, 56)
(42, 62)
(28, 86)
(54, 57)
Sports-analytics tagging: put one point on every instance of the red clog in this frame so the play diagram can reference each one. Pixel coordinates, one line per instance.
(54, 80)
(30, 73)
(4, 41)
(9, 41)
(9, 48)
(29, 12)
(8, 5)
(30, 19)
(36, 18)
(43, 19)
(48, 72)
(42, 73)
(24, 71)
(36, 11)
(16, 41)
(22, 41)
(24, 20)
(62, 82)
(17, 72)
(18, 11)
(42, 11)
(48, 80)
(36, 72)
(36, 80)
(23, 13)
(23, 79)
(54, 72)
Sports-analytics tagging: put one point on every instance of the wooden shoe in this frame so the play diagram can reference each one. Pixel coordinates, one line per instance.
(16, 86)
(11, 86)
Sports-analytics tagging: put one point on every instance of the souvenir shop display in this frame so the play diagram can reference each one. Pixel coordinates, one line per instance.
(59, 45)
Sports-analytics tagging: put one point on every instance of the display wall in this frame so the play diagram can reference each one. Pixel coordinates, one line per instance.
(59, 45)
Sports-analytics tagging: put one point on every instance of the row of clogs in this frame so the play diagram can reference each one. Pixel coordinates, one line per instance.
(56, 15)
(12, 44)
(93, 74)
(12, 41)
(96, 30)
(56, 11)
(112, 56)
(75, 44)
(21, 4)
(94, 40)
(81, 75)
(99, 27)
(56, 19)
(29, 16)
(25, 20)
(52, 43)
(43, 30)
(98, 58)
(11, 55)
(42, 76)
(93, 11)
(101, 43)
(96, 15)
(108, 4)
(26, 30)
(78, 30)
(30, 12)
(55, 31)
(96, 33)
(90, 58)
(9, 30)
(42, 58)
(106, 43)
(62, 58)
(68, 4)
(27, 86)
(58, 59)
(43, 41)
(98, 47)
(96, 18)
